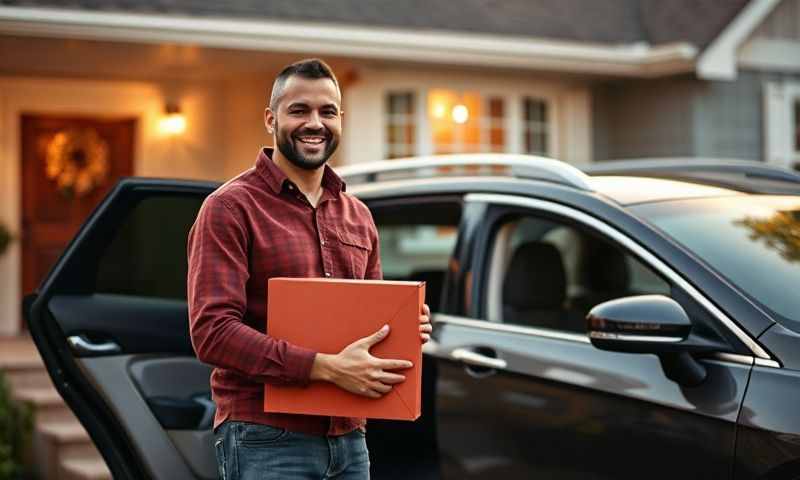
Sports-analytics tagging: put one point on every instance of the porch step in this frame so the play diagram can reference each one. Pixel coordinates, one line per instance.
(28, 378)
(58, 441)
(46, 402)
(61, 448)
(83, 469)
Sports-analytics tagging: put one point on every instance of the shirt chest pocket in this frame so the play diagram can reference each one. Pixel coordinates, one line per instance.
(354, 252)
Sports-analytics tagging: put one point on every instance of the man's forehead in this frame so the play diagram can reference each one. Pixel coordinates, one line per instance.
(310, 89)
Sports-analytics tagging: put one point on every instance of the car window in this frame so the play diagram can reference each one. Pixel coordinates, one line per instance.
(547, 274)
(417, 242)
(147, 256)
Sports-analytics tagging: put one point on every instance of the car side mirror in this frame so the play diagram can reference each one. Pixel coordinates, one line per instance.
(648, 324)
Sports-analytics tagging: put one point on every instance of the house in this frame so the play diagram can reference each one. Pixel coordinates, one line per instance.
(91, 90)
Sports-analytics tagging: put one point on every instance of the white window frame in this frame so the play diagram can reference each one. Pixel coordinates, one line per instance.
(780, 123)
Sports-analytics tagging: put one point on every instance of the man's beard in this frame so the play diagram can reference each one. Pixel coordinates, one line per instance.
(285, 145)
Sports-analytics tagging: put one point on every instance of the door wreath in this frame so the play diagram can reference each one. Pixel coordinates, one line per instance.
(77, 160)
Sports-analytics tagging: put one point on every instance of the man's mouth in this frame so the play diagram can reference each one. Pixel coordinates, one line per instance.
(311, 139)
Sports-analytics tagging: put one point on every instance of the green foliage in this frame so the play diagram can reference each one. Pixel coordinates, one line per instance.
(5, 238)
(16, 425)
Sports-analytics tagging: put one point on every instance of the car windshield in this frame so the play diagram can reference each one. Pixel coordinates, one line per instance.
(754, 241)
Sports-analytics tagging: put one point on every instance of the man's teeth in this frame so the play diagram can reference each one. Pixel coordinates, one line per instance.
(311, 140)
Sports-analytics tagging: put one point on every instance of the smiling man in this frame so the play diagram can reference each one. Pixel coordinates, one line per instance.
(288, 216)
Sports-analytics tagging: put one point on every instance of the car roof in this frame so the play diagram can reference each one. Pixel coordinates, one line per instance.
(744, 176)
(628, 190)
(624, 182)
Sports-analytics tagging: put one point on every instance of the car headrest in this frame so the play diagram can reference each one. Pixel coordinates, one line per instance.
(606, 269)
(535, 278)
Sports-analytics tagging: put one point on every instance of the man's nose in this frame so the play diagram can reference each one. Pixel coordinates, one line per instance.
(314, 121)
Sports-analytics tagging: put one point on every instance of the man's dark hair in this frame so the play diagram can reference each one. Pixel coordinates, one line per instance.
(311, 68)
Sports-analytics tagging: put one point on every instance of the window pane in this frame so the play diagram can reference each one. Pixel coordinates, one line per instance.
(147, 257)
(400, 131)
(549, 274)
(496, 108)
(497, 137)
(797, 126)
(535, 127)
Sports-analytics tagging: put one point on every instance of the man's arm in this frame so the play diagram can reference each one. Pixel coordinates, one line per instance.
(218, 248)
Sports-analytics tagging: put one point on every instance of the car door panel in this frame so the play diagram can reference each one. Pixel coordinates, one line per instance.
(140, 325)
(767, 445)
(111, 323)
(563, 409)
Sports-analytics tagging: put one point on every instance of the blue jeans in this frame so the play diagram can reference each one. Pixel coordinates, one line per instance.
(249, 451)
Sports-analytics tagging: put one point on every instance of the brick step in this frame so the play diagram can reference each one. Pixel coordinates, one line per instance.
(83, 469)
(28, 378)
(61, 440)
(47, 404)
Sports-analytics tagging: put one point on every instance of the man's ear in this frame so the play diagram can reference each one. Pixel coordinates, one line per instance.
(269, 120)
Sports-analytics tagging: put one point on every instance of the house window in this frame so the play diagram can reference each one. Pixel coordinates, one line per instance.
(797, 129)
(535, 126)
(400, 124)
(466, 122)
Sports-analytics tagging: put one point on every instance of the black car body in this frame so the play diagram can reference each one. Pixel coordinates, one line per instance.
(516, 251)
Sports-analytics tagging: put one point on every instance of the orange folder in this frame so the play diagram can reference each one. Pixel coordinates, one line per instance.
(326, 315)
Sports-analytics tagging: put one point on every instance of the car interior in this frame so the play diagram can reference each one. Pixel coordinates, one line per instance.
(546, 274)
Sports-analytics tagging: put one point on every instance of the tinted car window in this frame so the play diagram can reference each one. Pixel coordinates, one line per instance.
(147, 256)
(753, 241)
(549, 275)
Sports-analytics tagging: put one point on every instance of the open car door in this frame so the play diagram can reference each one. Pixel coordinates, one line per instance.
(111, 323)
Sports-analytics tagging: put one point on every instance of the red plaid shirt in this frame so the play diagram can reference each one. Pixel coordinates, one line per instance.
(256, 226)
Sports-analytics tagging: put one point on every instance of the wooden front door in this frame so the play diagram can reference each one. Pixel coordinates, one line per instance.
(68, 166)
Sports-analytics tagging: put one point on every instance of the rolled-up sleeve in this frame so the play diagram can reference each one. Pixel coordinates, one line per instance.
(218, 272)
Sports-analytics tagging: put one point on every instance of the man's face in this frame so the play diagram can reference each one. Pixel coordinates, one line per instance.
(308, 121)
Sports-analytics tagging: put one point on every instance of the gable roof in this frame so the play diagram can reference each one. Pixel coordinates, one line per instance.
(654, 22)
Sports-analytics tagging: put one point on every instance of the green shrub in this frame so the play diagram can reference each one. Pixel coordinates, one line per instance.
(16, 425)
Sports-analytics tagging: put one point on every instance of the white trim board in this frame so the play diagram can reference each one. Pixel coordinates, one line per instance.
(718, 61)
(771, 54)
(779, 122)
(632, 60)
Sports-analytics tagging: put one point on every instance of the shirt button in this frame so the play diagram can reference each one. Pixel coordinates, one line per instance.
(327, 274)
(322, 243)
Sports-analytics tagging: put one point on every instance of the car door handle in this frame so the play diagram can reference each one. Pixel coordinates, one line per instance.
(82, 345)
(469, 357)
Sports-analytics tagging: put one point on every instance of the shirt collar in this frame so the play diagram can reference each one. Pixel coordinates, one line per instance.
(277, 180)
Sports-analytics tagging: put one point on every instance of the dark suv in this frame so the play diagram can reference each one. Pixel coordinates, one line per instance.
(688, 365)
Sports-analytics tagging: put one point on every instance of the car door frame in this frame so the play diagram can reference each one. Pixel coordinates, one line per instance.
(67, 277)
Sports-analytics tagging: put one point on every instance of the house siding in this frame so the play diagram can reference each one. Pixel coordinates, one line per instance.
(648, 118)
(782, 23)
(729, 116)
(683, 117)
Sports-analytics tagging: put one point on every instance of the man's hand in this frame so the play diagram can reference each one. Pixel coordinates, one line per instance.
(425, 327)
(355, 370)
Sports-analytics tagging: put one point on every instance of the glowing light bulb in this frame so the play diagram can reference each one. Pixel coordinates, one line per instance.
(173, 124)
(460, 114)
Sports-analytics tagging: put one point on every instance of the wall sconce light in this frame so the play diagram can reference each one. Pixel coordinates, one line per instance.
(460, 114)
(174, 122)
